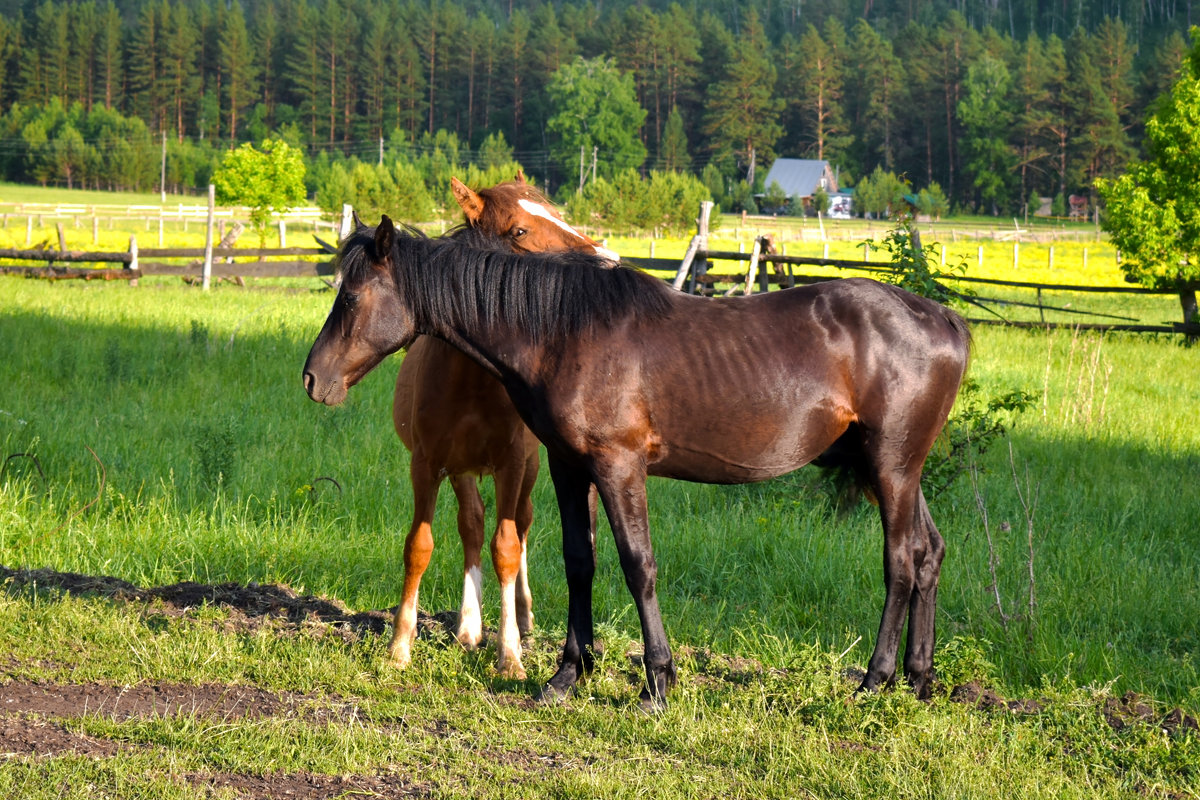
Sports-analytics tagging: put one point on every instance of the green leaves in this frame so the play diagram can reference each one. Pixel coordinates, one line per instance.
(595, 107)
(267, 179)
(1153, 210)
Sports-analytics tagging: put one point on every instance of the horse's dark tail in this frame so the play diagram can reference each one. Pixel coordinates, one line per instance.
(845, 467)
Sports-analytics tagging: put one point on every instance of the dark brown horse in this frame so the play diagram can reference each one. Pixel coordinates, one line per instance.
(457, 422)
(603, 366)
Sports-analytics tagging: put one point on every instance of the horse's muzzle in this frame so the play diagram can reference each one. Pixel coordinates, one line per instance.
(329, 392)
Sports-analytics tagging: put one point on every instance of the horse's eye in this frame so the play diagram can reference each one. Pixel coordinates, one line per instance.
(350, 299)
(518, 232)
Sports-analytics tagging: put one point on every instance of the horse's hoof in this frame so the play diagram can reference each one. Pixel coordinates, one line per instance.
(469, 641)
(650, 704)
(551, 695)
(512, 671)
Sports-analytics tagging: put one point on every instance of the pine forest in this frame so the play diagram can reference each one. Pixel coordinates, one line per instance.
(991, 102)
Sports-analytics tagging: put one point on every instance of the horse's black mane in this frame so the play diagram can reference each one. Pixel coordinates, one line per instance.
(466, 278)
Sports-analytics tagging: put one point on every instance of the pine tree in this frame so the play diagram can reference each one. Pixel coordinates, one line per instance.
(84, 32)
(266, 50)
(1033, 124)
(673, 152)
(374, 69)
(880, 98)
(819, 98)
(479, 57)
(43, 66)
(148, 98)
(304, 69)
(108, 56)
(1098, 142)
(179, 67)
(237, 67)
(743, 111)
(513, 67)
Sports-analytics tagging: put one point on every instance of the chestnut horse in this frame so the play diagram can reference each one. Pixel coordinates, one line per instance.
(457, 422)
(602, 366)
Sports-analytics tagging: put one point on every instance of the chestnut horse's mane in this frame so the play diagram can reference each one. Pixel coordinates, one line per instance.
(467, 279)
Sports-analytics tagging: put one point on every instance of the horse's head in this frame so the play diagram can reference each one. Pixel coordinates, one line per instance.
(523, 218)
(368, 320)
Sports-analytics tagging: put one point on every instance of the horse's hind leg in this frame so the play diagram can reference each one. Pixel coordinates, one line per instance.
(912, 557)
(418, 547)
(524, 514)
(470, 530)
(918, 653)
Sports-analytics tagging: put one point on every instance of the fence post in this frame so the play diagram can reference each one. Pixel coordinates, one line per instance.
(1187, 299)
(28, 230)
(1050, 264)
(206, 276)
(347, 221)
(133, 258)
(282, 234)
(700, 267)
(95, 229)
(1016, 255)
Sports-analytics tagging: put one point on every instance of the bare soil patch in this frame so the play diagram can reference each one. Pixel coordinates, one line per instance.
(64, 701)
(251, 601)
(307, 786)
(22, 736)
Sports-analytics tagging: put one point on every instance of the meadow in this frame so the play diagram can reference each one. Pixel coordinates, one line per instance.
(160, 434)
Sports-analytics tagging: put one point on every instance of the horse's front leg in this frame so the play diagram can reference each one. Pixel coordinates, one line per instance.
(418, 548)
(571, 485)
(623, 490)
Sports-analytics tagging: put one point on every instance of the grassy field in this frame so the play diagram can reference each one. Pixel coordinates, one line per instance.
(208, 468)
(195, 608)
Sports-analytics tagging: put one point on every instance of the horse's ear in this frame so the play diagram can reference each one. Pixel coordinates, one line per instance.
(385, 238)
(520, 176)
(471, 203)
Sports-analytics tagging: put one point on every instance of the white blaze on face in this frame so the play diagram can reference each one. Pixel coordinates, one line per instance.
(539, 210)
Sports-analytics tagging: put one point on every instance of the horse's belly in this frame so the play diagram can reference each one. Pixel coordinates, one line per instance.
(743, 455)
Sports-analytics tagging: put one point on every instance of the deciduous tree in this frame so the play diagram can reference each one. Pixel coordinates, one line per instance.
(268, 178)
(1153, 209)
(594, 107)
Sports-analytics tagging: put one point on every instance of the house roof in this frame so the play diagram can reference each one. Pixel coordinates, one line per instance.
(798, 177)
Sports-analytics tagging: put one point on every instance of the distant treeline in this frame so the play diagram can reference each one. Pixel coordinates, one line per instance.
(993, 102)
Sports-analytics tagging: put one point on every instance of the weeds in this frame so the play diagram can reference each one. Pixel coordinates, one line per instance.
(1084, 402)
(1028, 493)
(215, 445)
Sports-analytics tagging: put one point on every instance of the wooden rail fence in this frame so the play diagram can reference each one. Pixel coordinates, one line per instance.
(694, 275)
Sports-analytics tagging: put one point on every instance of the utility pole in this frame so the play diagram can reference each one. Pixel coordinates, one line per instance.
(595, 151)
(163, 181)
(580, 168)
(381, 151)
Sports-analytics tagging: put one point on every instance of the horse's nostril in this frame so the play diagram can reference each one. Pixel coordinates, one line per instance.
(309, 382)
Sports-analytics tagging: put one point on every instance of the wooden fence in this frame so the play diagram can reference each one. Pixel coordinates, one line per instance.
(695, 274)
